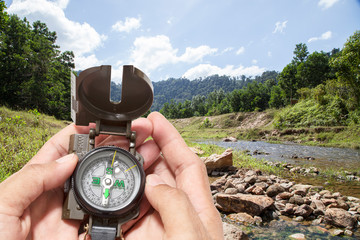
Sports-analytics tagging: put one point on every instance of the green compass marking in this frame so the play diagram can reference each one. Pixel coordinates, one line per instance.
(119, 184)
(106, 193)
(96, 181)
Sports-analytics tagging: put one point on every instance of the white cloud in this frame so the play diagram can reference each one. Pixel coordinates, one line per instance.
(228, 49)
(150, 53)
(205, 70)
(83, 62)
(254, 61)
(269, 54)
(128, 25)
(325, 4)
(241, 50)
(78, 37)
(280, 26)
(324, 36)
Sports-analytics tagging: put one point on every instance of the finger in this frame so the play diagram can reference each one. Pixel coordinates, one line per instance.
(161, 168)
(21, 189)
(150, 152)
(176, 211)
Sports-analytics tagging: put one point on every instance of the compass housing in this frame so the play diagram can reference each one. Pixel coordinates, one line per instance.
(102, 156)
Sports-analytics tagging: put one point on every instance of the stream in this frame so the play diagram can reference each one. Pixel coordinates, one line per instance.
(322, 158)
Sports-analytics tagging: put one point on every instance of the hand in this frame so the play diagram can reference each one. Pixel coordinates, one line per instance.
(31, 200)
(178, 190)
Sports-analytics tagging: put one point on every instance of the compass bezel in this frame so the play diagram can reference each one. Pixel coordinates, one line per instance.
(100, 211)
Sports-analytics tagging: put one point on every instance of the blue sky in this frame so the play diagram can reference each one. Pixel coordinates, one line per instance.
(192, 38)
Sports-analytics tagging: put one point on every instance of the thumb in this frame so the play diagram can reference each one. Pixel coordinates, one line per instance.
(19, 190)
(179, 218)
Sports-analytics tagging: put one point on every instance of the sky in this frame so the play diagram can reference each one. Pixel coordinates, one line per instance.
(192, 38)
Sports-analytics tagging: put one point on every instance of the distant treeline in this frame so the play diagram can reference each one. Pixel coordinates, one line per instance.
(330, 80)
(34, 73)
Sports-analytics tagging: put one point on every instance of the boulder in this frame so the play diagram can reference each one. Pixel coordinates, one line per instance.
(303, 211)
(339, 217)
(231, 232)
(253, 205)
(216, 161)
(274, 190)
(229, 139)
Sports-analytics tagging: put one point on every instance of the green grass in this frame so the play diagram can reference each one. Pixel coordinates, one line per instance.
(22, 134)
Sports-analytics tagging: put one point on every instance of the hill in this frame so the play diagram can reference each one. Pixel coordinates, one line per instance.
(181, 89)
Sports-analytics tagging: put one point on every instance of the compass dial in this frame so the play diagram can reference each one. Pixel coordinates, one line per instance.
(108, 179)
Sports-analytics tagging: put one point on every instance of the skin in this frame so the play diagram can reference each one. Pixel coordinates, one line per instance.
(178, 203)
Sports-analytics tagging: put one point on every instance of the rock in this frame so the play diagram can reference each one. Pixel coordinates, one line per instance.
(216, 161)
(318, 204)
(304, 211)
(289, 209)
(218, 184)
(242, 218)
(251, 179)
(253, 205)
(231, 191)
(284, 195)
(231, 232)
(302, 187)
(274, 190)
(338, 232)
(347, 232)
(299, 219)
(229, 139)
(197, 151)
(296, 199)
(339, 217)
(297, 236)
(339, 204)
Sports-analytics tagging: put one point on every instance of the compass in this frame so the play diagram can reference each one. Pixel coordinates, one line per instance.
(107, 186)
(108, 181)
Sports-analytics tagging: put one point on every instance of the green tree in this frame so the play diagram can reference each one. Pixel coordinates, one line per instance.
(288, 81)
(347, 66)
(300, 53)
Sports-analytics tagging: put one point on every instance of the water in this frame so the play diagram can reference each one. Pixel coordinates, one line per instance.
(338, 158)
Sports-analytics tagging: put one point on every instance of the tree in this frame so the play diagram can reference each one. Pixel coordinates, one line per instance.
(347, 66)
(313, 71)
(300, 53)
(287, 80)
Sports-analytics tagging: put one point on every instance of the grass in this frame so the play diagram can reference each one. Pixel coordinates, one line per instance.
(22, 134)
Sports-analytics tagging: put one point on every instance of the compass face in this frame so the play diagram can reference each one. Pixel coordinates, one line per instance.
(108, 180)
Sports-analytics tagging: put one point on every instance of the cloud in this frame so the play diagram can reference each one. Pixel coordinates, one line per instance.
(325, 4)
(205, 70)
(228, 49)
(280, 26)
(128, 25)
(269, 53)
(241, 50)
(324, 36)
(78, 37)
(83, 62)
(150, 53)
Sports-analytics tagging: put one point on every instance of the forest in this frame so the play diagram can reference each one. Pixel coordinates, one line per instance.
(325, 86)
(34, 73)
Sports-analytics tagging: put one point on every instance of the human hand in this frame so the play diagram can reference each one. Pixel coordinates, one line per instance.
(31, 200)
(178, 190)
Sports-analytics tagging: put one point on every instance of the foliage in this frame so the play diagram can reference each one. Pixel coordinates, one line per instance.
(33, 71)
(347, 66)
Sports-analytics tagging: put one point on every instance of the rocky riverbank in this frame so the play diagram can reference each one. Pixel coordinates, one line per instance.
(250, 197)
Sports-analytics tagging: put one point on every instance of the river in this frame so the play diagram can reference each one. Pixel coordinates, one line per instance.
(339, 158)
(322, 157)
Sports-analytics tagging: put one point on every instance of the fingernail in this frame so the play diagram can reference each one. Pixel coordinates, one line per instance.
(154, 180)
(66, 158)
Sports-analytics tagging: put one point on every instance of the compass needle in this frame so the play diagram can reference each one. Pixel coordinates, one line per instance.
(113, 159)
